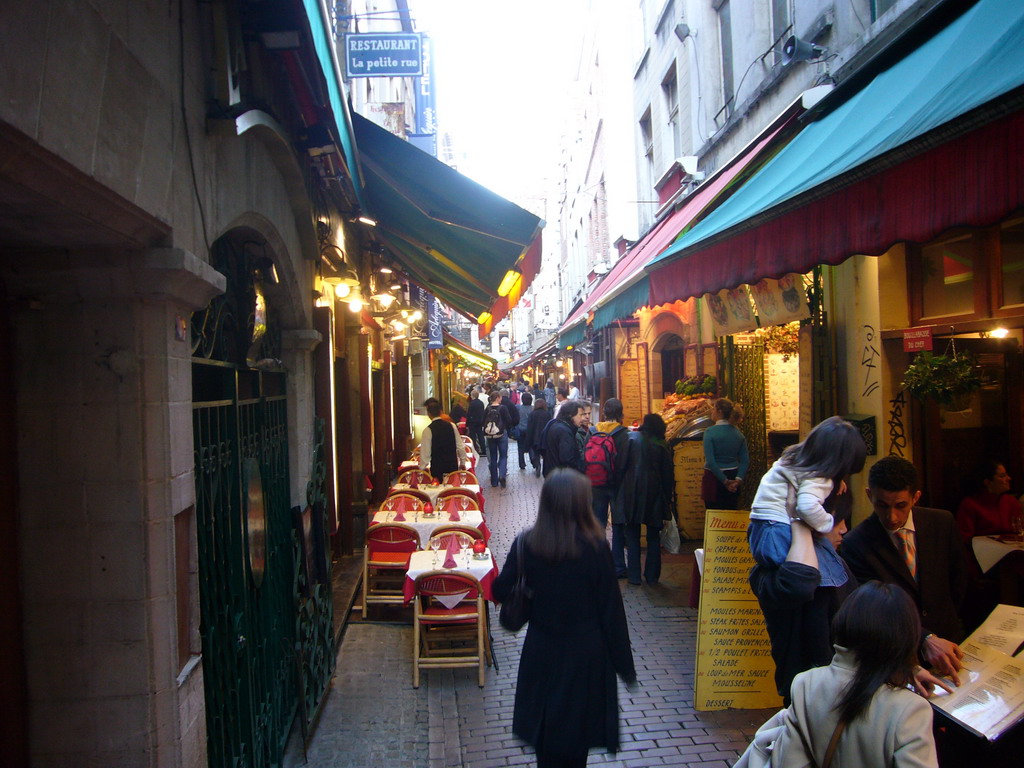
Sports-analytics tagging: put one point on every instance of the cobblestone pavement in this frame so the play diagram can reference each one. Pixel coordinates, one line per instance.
(373, 716)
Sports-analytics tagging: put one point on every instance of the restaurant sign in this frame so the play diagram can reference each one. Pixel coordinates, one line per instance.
(917, 340)
(384, 54)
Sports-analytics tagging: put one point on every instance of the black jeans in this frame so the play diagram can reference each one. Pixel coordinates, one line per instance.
(601, 500)
(652, 564)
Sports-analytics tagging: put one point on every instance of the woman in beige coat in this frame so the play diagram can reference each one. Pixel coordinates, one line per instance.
(877, 632)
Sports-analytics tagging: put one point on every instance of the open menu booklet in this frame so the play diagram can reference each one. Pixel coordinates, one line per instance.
(990, 699)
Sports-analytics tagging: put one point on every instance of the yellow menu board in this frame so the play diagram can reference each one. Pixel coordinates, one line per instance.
(734, 664)
(688, 458)
(633, 388)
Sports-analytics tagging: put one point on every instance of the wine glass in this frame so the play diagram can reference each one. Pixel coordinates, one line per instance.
(1018, 526)
(464, 542)
(463, 503)
(435, 544)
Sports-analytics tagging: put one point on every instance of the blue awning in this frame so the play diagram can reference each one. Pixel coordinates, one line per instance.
(975, 60)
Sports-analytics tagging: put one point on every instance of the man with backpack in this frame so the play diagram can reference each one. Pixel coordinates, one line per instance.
(499, 418)
(604, 463)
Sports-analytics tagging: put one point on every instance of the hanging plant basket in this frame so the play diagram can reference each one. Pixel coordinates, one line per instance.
(959, 403)
(949, 379)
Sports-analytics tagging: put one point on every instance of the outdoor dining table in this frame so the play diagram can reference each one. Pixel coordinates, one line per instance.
(433, 491)
(425, 525)
(989, 550)
(470, 463)
(484, 570)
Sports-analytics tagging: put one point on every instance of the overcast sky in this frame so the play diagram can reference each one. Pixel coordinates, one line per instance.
(501, 70)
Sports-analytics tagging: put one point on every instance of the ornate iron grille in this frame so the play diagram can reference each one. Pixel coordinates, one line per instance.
(744, 383)
(248, 631)
(314, 626)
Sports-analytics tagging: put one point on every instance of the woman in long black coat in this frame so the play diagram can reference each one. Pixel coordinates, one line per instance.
(577, 639)
(645, 496)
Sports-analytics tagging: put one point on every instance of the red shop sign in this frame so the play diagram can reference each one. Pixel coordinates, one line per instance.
(917, 340)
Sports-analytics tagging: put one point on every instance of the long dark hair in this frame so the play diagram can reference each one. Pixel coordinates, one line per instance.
(879, 624)
(833, 449)
(564, 516)
(654, 427)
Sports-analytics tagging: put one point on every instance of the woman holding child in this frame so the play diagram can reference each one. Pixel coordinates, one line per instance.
(799, 579)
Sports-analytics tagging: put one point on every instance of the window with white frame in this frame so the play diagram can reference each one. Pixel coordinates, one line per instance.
(647, 142)
(782, 22)
(670, 89)
(725, 45)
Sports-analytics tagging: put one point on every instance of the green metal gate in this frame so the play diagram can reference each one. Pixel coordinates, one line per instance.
(246, 574)
(247, 547)
(743, 366)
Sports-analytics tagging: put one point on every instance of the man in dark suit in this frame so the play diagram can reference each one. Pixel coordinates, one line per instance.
(917, 549)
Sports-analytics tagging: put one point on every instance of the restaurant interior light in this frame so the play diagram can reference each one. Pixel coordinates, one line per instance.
(342, 290)
(483, 318)
(512, 277)
(999, 333)
(367, 221)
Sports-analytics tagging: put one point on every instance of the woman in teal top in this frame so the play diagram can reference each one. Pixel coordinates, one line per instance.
(725, 458)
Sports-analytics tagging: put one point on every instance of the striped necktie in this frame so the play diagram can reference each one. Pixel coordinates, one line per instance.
(908, 548)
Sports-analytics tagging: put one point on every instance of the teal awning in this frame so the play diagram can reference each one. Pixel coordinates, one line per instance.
(453, 236)
(572, 336)
(318, 26)
(623, 305)
(978, 58)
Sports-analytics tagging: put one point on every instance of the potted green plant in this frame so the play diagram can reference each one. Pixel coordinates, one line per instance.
(948, 379)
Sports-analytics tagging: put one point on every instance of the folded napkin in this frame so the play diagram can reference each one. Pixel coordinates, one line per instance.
(450, 550)
(450, 601)
(400, 517)
(453, 515)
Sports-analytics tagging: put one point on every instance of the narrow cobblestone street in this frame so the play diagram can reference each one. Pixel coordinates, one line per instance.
(373, 716)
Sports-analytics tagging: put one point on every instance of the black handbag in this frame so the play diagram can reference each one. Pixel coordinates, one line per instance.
(515, 611)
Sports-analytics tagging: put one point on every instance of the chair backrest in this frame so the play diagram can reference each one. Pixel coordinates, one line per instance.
(449, 493)
(443, 531)
(461, 477)
(451, 502)
(421, 475)
(406, 501)
(446, 583)
(392, 537)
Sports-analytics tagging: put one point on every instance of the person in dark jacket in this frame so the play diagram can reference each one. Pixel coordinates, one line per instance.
(475, 421)
(539, 417)
(645, 496)
(525, 409)
(605, 495)
(577, 639)
(560, 447)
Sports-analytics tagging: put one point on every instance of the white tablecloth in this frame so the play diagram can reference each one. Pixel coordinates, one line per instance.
(425, 526)
(434, 490)
(421, 562)
(989, 550)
